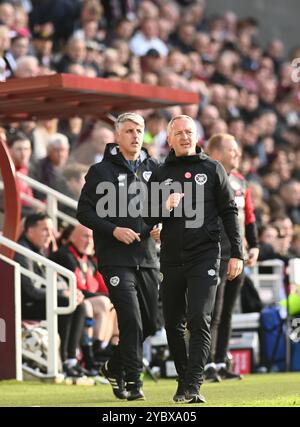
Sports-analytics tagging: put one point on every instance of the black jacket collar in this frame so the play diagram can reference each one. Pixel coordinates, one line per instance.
(113, 154)
(199, 156)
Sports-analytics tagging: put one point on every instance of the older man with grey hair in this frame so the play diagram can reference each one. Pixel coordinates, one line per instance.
(49, 170)
(125, 248)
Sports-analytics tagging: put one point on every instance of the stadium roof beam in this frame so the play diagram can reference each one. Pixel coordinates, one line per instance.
(68, 95)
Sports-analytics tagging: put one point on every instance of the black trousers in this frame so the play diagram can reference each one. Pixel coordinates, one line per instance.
(226, 297)
(188, 296)
(70, 326)
(134, 294)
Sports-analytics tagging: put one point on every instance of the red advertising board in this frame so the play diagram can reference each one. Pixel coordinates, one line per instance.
(242, 361)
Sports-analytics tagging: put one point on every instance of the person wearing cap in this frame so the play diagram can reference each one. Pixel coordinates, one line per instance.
(42, 43)
(194, 193)
(125, 248)
(152, 61)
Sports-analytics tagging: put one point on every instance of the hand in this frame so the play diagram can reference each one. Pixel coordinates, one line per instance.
(235, 267)
(79, 297)
(155, 233)
(126, 235)
(252, 257)
(173, 200)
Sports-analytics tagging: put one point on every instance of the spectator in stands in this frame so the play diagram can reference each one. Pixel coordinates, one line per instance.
(49, 170)
(294, 250)
(100, 320)
(125, 250)
(75, 53)
(5, 69)
(147, 38)
(19, 47)
(290, 194)
(7, 14)
(20, 151)
(92, 150)
(224, 148)
(73, 180)
(42, 44)
(27, 66)
(37, 236)
(270, 243)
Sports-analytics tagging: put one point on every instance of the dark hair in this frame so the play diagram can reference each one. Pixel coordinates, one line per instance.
(15, 137)
(65, 234)
(32, 220)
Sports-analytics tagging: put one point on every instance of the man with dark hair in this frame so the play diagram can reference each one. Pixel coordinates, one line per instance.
(37, 236)
(125, 250)
(20, 150)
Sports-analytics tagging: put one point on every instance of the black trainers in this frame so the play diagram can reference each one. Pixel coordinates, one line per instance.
(74, 371)
(179, 396)
(192, 395)
(116, 381)
(225, 374)
(134, 391)
(211, 375)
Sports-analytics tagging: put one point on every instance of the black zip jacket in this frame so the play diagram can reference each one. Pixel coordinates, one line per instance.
(181, 245)
(114, 169)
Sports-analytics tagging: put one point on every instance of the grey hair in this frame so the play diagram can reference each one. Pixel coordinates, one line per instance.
(58, 140)
(129, 117)
(181, 116)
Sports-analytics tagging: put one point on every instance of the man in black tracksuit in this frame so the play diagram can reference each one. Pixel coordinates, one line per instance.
(125, 248)
(190, 253)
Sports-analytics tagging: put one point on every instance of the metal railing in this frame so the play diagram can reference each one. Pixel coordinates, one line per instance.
(52, 197)
(52, 310)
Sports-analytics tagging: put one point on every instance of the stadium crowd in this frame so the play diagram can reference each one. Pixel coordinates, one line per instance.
(245, 89)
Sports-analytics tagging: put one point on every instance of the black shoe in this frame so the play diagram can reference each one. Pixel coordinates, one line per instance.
(192, 395)
(74, 371)
(116, 381)
(225, 374)
(134, 391)
(179, 396)
(211, 375)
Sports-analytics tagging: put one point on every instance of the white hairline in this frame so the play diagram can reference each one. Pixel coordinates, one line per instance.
(181, 116)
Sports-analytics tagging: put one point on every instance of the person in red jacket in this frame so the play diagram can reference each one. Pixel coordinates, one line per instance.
(101, 321)
(224, 148)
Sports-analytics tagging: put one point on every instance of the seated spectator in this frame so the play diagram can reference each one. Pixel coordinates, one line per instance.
(71, 185)
(49, 170)
(18, 48)
(73, 180)
(27, 66)
(92, 150)
(272, 244)
(37, 236)
(20, 151)
(295, 244)
(101, 331)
